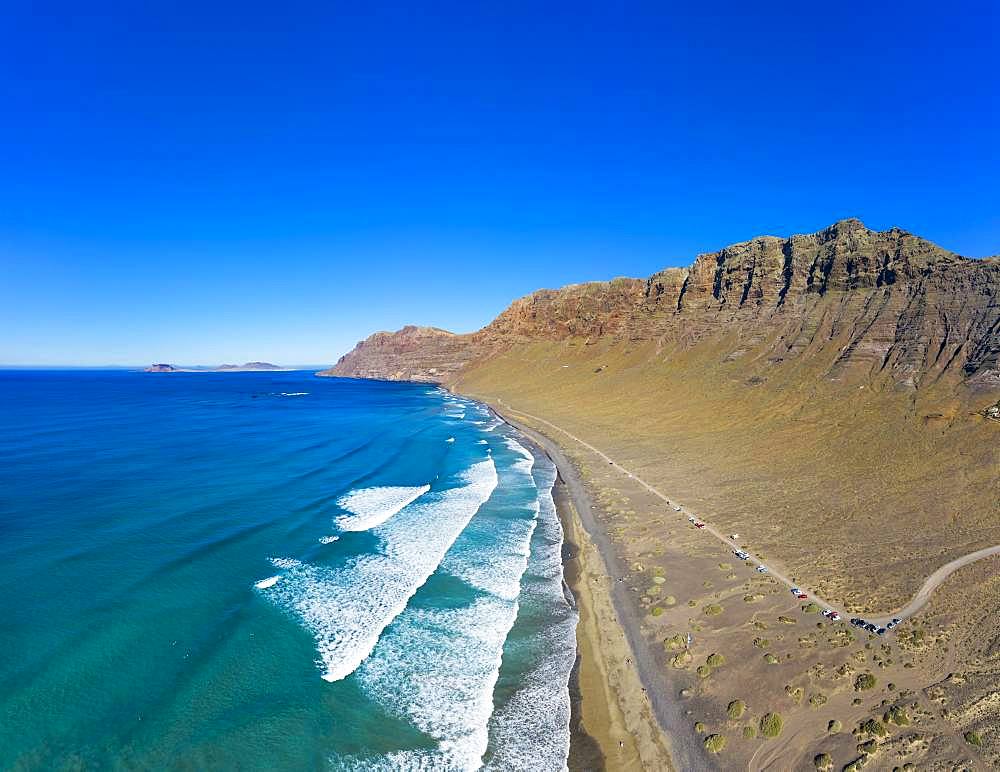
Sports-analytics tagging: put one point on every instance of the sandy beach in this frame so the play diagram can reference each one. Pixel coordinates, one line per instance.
(623, 718)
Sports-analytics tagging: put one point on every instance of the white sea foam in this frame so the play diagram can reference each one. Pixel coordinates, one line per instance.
(498, 569)
(457, 652)
(370, 507)
(328, 539)
(347, 608)
(531, 729)
(285, 562)
(263, 584)
(527, 460)
(482, 442)
(294, 393)
(450, 439)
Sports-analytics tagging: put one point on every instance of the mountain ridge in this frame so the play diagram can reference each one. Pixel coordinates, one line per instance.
(900, 309)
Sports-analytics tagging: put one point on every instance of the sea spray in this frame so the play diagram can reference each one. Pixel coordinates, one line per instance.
(370, 507)
(529, 728)
(456, 643)
(347, 608)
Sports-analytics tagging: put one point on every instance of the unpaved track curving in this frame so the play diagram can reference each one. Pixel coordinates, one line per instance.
(924, 593)
(918, 601)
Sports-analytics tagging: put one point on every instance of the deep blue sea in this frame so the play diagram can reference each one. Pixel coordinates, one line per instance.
(274, 571)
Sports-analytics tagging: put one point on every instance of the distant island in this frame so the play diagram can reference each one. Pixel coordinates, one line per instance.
(249, 367)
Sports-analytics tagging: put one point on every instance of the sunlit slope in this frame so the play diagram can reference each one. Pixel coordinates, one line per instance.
(827, 395)
(860, 493)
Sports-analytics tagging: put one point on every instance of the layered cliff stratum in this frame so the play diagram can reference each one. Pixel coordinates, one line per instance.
(886, 306)
(828, 393)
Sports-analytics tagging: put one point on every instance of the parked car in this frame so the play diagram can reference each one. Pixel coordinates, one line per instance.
(699, 525)
(857, 622)
(801, 596)
(834, 616)
(880, 631)
(870, 627)
(741, 554)
(677, 508)
(761, 569)
(796, 591)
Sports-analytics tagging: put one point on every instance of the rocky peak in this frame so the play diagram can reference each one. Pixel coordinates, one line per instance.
(883, 303)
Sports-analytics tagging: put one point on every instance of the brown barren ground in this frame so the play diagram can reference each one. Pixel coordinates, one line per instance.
(820, 488)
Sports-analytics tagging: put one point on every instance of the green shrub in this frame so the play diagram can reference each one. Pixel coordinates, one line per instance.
(811, 608)
(657, 611)
(857, 764)
(974, 738)
(873, 727)
(715, 660)
(713, 609)
(816, 700)
(863, 682)
(896, 715)
(867, 747)
(761, 643)
(674, 642)
(834, 726)
(736, 709)
(786, 620)
(699, 727)
(770, 659)
(750, 731)
(669, 600)
(822, 761)
(714, 743)
(704, 671)
(770, 725)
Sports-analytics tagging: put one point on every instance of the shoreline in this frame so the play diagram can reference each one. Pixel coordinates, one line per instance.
(620, 708)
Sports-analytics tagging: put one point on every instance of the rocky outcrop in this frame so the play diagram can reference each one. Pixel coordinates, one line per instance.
(410, 354)
(872, 305)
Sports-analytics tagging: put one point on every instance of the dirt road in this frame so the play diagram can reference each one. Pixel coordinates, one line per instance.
(918, 602)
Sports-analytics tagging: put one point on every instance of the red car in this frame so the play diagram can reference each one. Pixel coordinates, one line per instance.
(802, 595)
(699, 525)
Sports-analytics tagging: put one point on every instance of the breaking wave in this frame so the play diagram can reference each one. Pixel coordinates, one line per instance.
(370, 507)
(347, 608)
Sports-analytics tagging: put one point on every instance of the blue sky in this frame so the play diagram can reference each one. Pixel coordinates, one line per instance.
(274, 181)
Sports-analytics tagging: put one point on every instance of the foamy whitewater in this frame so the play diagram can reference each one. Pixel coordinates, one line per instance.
(348, 607)
(364, 576)
(373, 506)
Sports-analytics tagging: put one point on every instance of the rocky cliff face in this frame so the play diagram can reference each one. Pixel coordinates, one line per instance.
(410, 354)
(869, 305)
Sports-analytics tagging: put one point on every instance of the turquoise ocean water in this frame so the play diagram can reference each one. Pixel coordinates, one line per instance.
(274, 571)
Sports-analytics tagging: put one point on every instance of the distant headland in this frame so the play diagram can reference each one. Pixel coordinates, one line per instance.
(248, 367)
